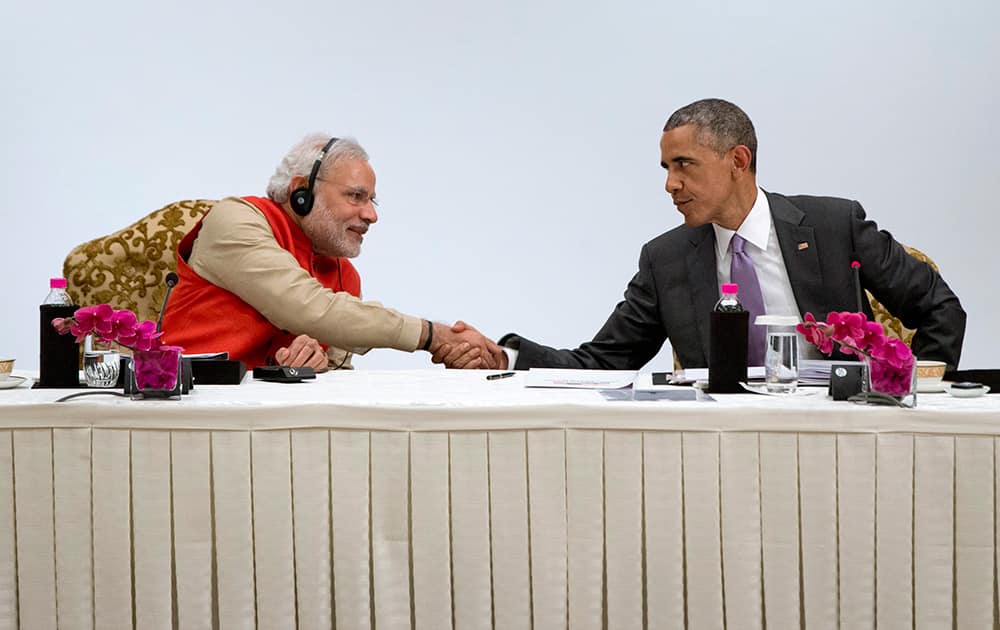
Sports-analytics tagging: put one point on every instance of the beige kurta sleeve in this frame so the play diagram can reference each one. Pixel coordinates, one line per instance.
(236, 250)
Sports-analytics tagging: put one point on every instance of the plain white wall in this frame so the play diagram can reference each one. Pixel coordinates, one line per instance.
(516, 143)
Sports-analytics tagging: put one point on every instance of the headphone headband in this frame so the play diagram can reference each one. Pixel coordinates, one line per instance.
(319, 162)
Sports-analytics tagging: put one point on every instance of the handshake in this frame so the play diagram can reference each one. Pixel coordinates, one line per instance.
(464, 347)
(460, 346)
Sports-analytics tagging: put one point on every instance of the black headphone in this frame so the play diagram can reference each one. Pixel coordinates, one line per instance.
(302, 198)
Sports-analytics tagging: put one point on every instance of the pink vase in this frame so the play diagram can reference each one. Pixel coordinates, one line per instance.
(157, 373)
(897, 382)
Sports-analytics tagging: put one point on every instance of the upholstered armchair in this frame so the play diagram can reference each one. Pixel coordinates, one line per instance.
(127, 269)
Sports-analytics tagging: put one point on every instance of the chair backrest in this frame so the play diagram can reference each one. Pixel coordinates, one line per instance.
(126, 269)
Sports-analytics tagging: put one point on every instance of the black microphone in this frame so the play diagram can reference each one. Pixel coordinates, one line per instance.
(856, 267)
(171, 281)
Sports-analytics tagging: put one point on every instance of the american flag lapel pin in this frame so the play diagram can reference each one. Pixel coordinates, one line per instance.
(803, 245)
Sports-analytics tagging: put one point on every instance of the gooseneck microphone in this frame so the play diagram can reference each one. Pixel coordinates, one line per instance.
(171, 281)
(856, 267)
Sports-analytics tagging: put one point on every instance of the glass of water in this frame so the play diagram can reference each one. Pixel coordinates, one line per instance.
(781, 356)
(101, 364)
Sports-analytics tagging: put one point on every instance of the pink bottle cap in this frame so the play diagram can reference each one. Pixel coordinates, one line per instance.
(57, 283)
(730, 288)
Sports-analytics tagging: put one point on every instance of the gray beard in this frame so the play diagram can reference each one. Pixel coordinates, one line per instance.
(331, 239)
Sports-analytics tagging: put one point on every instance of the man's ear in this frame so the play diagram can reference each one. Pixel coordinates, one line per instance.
(741, 157)
(297, 182)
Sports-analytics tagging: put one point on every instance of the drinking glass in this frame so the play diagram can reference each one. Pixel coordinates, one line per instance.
(781, 356)
(101, 364)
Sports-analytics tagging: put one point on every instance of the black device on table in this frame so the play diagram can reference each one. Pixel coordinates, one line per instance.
(283, 373)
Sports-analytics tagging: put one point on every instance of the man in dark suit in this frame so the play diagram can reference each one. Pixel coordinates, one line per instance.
(801, 248)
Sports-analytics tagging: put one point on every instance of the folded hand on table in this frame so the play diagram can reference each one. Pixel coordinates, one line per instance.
(304, 351)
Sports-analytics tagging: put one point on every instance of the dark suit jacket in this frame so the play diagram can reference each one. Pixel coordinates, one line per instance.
(676, 288)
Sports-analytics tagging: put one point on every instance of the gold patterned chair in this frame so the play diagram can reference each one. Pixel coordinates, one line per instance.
(126, 269)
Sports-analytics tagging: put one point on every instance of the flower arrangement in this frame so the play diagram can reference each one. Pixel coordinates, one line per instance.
(890, 361)
(156, 365)
(107, 324)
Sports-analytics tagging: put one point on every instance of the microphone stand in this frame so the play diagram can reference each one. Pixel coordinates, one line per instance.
(170, 280)
(856, 267)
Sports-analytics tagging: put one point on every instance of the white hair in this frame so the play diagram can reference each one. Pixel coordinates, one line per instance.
(300, 158)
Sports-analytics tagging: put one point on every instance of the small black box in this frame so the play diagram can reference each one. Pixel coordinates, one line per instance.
(846, 380)
(218, 371)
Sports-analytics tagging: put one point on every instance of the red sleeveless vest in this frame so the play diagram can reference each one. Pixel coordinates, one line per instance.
(202, 317)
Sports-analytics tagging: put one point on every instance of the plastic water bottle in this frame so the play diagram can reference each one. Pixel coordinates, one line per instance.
(729, 329)
(59, 356)
(57, 293)
(730, 300)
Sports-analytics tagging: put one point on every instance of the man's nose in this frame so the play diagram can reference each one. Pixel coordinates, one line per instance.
(673, 183)
(368, 213)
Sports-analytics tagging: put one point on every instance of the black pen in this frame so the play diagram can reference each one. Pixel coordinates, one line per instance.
(493, 377)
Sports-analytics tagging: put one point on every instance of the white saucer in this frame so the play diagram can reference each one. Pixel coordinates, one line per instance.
(938, 387)
(969, 393)
(11, 382)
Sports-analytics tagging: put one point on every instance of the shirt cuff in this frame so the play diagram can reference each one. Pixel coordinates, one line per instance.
(511, 357)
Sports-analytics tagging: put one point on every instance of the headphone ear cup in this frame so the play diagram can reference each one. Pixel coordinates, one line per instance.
(301, 201)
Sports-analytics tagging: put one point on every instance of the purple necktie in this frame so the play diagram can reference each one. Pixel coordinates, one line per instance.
(742, 273)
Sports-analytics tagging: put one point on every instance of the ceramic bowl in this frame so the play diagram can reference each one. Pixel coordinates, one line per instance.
(929, 373)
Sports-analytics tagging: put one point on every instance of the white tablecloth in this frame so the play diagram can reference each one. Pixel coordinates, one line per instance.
(433, 499)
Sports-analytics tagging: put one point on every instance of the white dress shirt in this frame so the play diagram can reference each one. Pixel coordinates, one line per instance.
(763, 249)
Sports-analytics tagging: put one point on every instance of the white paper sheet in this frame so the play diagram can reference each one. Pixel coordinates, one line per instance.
(579, 379)
(692, 375)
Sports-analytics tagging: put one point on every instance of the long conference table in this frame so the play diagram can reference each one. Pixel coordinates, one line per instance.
(437, 499)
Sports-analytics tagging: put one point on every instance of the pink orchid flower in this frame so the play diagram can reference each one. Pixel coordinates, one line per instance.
(873, 333)
(891, 360)
(895, 353)
(93, 319)
(124, 324)
(847, 325)
(816, 333)
(108, 324)
(142, 337)
(63, 324)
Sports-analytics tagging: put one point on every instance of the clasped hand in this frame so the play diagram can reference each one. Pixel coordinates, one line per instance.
(462, 346)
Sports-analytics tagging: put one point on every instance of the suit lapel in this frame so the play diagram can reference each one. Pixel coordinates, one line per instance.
(799, 251)
(701, 271)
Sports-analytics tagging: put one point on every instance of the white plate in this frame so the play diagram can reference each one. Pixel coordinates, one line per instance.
(11, 382)
(939, 387)
(761, 388)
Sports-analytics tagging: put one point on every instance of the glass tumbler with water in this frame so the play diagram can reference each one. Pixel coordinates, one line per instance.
(101, 363)
(781, 356)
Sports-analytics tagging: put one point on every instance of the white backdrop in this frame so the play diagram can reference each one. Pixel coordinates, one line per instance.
(516, 143)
